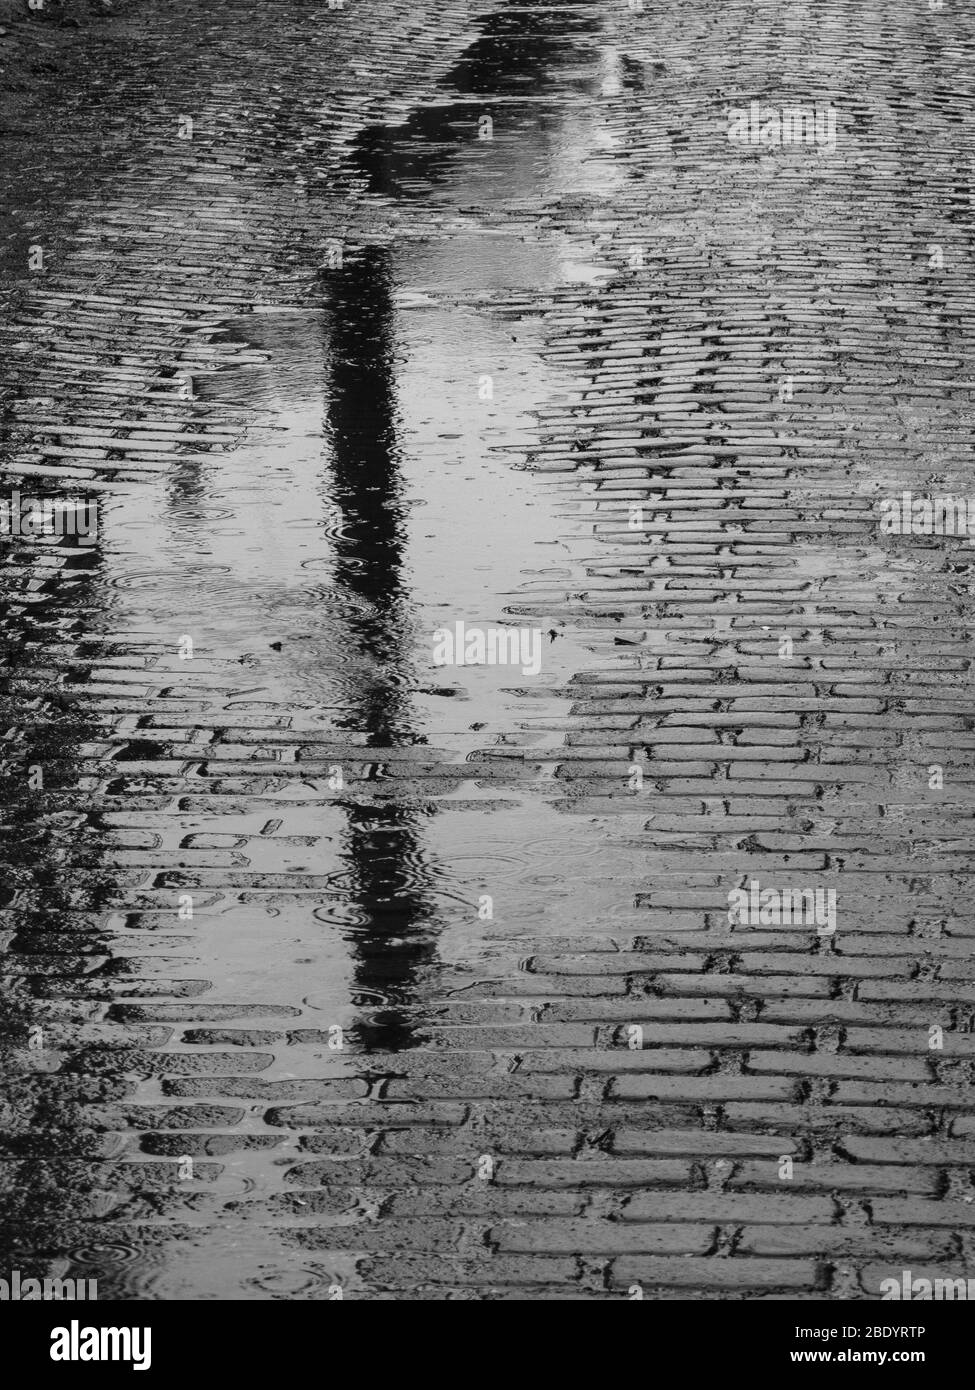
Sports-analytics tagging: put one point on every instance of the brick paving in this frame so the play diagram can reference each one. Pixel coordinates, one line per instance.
(774, 347)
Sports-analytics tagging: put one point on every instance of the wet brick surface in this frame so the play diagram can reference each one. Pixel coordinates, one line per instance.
(782, 675)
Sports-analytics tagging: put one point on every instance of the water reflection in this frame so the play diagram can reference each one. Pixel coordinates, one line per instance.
(396, 885)
(523, 53)
(388, 876)
(523, 58)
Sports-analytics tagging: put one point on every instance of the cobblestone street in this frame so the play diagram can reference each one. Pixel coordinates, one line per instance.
(332, 971)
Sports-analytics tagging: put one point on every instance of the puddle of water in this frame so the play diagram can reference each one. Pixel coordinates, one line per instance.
(514, 119)
(377, 500)
(351, 539)
(380, 504)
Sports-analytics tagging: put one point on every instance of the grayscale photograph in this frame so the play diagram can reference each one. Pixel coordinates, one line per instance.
(487, 677)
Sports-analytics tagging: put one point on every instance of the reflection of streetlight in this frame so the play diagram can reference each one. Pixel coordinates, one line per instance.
(389, 879)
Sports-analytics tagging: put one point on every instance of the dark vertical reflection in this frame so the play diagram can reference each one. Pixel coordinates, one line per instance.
(388, 875)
